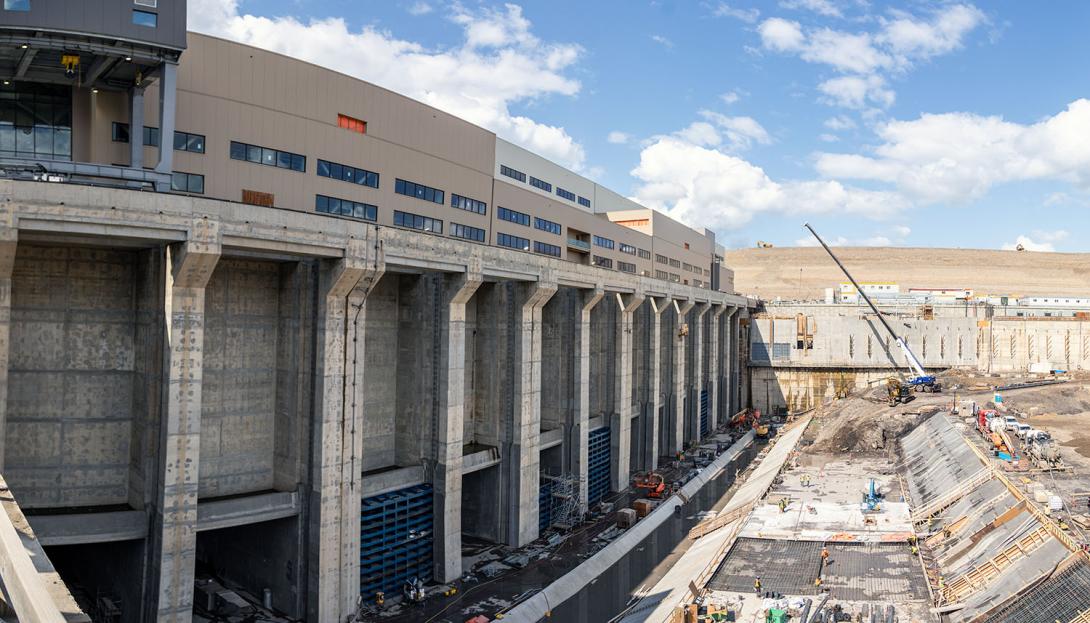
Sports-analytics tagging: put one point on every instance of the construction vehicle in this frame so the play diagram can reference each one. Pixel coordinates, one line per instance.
(653, 482)
(1043, 451)
(922, 381)
(898, 392)
(413, 591)
(872, 498)
(750, 418)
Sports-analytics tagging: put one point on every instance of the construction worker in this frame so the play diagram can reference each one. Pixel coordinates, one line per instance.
(380, 599)
(806, 480)
(783, 505)
(817, 581)
(824, 556)
(757, 585)
(942, 585)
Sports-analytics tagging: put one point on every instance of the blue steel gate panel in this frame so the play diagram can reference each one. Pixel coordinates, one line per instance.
(704, 424)
(598, 472)
(395, 540)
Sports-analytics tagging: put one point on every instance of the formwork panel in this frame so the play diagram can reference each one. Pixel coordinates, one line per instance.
(395, 539)
(705, 427)
(1059, 598)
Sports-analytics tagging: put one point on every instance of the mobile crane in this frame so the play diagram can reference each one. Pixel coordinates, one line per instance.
(922, 381)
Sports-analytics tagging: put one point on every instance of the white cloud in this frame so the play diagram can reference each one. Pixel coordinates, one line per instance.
(829, 138)
(498, 63)
(956, 157)
(420, 8)
(875, 240)
(840, 123)
(867, 58)
(822, 7)
(903, 230)
(618, 138)
(1041, 241)
(857, 91)
(663, 41)
(730, 97)
(781, 35)
(748, 16)
(689, 178)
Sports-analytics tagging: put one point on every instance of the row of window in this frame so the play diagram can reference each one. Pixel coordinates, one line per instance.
(187, 182)
(513, 242)
(467, 204)
(420, 191)
(605, 243)
(627, 248)
(183, 141)
(268, 157)
(603, 262)
(546, 249)
(347, 173)
(644, 254)
(675, 263)
(344, 207)
(505, 214)
(515, 174)
(415, 221)
(549, 226)
(626, 267)
(465, 231)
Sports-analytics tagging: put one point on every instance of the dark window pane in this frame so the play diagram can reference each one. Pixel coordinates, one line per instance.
(349, 174)
(179, 140)
(268, 156)
(177, 182)
(399, 187)
(321, 203)
(195, 143)
(120, 133)
(253, 153)
(283, 159)
(323, 168)
(439, 196)
(16, 5)
(238, 151)
(196, 184)
(143, 18)
(298, 163)
(335, 170)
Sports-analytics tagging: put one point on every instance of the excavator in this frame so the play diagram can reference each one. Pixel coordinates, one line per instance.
(750, 418)
(922, 381)
(653, 482)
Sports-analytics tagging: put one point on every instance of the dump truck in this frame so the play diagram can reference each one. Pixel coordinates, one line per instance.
(1043, 451)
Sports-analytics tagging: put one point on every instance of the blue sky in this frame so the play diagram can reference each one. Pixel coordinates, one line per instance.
(919, 123)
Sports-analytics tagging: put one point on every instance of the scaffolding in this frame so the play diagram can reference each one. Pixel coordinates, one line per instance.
(598, 464)
(560, 494)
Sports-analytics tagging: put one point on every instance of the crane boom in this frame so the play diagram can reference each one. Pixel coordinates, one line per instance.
(922, 377)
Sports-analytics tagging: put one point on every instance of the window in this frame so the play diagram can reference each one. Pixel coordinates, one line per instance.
(511, 173)
(549, 226)
(675, 263)
(268, 157)
(688, 267)
(148, 3)
(662, 259)
(346, 173)
(514, 242)
(467, 204)
(781, 350)
(119, 133)
(420, 191)
(627, 248)
(351, 123)
(567, 194)
(605, 243)
(675, 277)
(465, 231)
(543, 185)
(644, 254)
(143, 18)
(697, 284)
(36, 121)
(662, 274)
(603, 262)
(187, 141)
(583, 201)
(515, 217)
(625, 267)
(546, 249)
(415, 221)
(187, 182)
(344, 207)
(16, 5)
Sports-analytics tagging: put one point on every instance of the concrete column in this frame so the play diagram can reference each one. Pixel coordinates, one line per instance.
(658, 306)
(581, 411)
(447, 481)
(136, 128)
(715, 366)
(730, 364)
(189, 266)
(697, 332)
(9, 236)
(677, 435)
(333, 498)
(168, 85)
(524, 431)
(621, 421)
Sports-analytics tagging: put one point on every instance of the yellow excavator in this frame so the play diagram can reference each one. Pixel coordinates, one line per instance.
(898, 392)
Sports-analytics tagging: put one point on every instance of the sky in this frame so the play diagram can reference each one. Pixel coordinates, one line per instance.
(920, 123)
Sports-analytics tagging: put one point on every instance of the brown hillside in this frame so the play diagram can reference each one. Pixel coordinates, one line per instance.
(771, 273)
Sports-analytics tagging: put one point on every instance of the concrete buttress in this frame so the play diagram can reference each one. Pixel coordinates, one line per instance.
(447, 481)
(521, 459)
(715, 367)
(658, 306)
(189, 267)
(621, 421)
(334, 496)
(9, 236)
(581, 416)
(677, 431)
